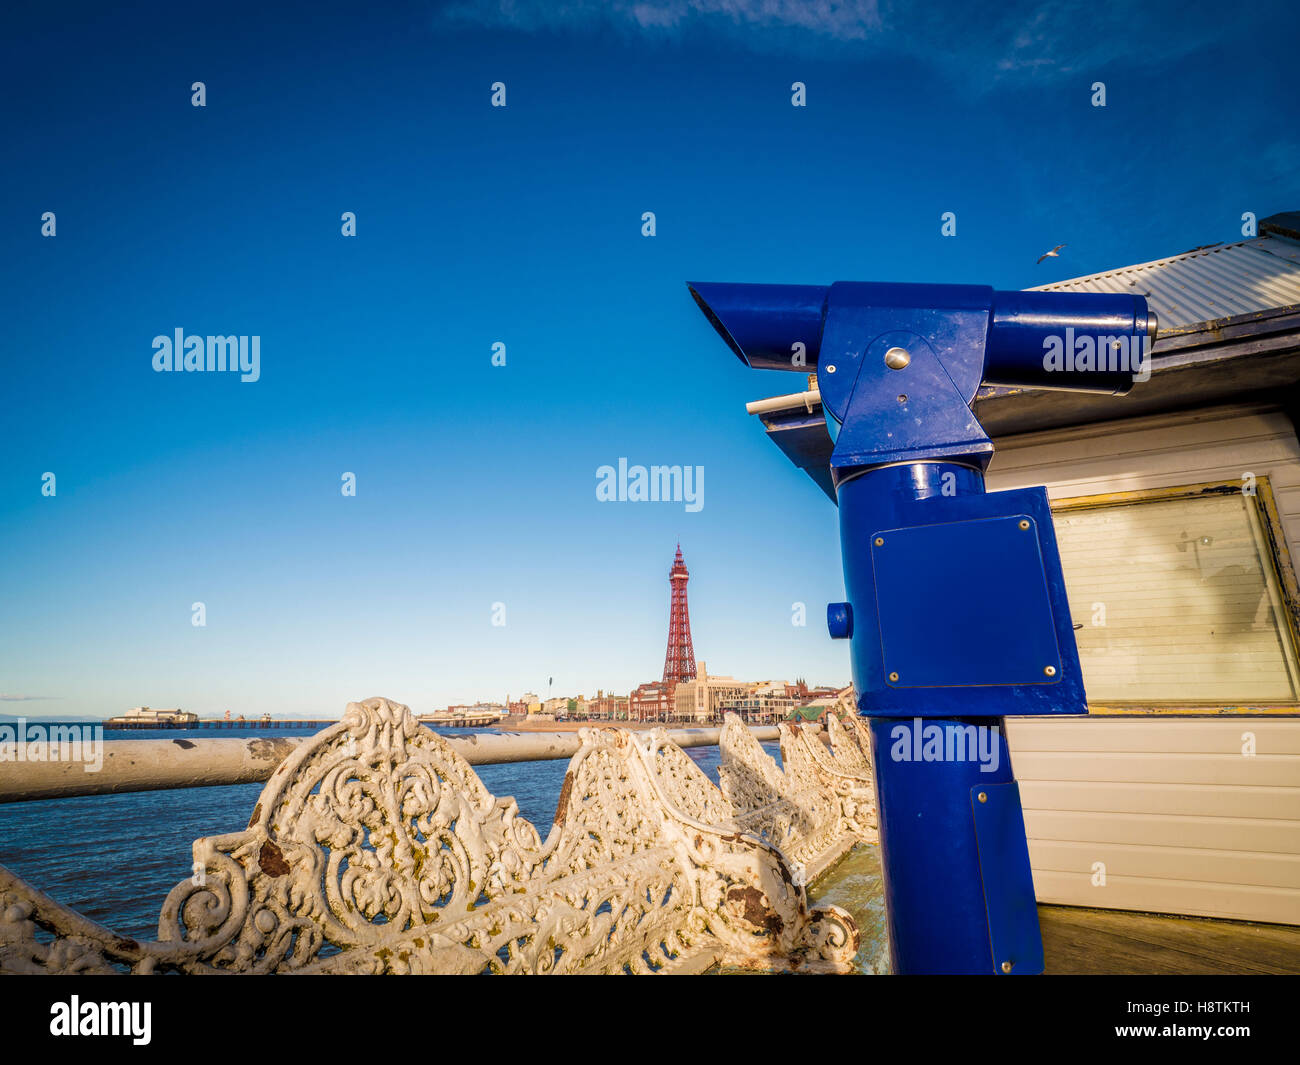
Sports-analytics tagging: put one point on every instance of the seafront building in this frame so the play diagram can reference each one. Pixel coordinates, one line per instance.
(763, 705)
(652, 701)
(701, 699)
(607, 707)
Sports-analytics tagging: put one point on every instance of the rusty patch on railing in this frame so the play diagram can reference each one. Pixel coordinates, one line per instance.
(756, 910)
(563, 806)
(270, 750)
(270, 860)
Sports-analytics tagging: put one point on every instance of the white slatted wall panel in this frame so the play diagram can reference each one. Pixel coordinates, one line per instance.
(1179, 819)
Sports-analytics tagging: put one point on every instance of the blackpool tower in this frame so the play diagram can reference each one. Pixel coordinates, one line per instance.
(679, 662)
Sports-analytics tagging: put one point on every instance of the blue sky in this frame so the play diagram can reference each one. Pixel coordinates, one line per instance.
(476, 484)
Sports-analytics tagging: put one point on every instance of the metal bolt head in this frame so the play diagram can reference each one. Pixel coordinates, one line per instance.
(1006, 966)
(897, 358)
(1024, 524)
(1050, 670)
(902, 398)
(893, 676)
(983, 796)
(880, 541)
(830, 368)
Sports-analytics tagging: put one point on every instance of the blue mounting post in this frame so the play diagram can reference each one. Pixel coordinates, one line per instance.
(956, 611)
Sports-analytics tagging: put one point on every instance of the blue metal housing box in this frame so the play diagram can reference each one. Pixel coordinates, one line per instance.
(958, 610)
(932, 594)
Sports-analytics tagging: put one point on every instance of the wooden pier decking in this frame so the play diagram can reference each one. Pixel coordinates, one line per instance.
(1081, 941)
(1078, 941)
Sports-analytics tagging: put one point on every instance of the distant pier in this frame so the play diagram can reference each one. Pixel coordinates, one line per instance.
(466, 720)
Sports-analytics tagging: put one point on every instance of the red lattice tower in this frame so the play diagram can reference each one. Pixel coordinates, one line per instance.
(679, 662)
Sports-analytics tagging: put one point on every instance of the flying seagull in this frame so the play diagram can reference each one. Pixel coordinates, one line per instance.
(1053, 254)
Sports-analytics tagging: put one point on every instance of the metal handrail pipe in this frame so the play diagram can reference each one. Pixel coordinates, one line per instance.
(157, 765)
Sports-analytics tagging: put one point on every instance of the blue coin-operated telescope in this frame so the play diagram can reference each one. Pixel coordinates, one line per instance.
(956, 607)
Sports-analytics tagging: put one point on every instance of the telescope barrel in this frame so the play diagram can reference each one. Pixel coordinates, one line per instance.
(766, 324)
(1072, 341)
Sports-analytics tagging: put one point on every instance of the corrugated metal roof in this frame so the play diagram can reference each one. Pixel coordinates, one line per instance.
(1221, 281)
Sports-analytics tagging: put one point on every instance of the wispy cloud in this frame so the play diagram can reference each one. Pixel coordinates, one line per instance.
(1016, 41)
(5, 698)
(848, 20)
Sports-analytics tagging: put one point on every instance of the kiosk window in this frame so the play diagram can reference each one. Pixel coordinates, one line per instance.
(1177, 599)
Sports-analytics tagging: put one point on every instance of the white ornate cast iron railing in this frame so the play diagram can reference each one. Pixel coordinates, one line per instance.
(374, 847)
